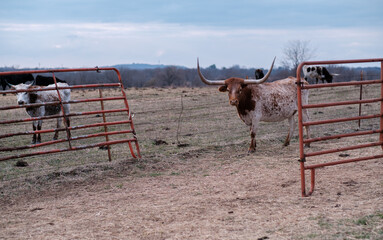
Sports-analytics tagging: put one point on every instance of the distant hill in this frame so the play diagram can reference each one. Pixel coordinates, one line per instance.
(142, 66)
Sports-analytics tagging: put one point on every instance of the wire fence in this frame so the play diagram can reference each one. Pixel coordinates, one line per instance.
(167, 126)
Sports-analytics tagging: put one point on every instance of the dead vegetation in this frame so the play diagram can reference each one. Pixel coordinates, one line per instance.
(208, 189)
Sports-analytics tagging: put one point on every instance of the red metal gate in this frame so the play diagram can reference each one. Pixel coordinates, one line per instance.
(305, 155)
(128, 132)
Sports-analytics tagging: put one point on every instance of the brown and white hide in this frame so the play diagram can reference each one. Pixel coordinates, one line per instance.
(45, 110)
(266, 102)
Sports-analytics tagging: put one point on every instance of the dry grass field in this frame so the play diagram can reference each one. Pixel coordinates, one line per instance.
(195, 179)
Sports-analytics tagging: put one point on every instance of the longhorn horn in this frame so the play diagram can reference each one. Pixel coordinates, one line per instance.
(8, 84)
(258, 81)
(33, 83)
(206, 81)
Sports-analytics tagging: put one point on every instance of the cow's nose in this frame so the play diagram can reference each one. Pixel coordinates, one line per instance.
(234, 102)
(20, 102)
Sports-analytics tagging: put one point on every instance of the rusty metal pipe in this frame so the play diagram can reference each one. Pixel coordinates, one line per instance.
(332, 104)
(58, 116)
(338, 120)
(354, 134)
(68, 149)
(381, 103)
(105, 85)
(341, 84)
(64, 102)
(63, 129)
(321, 165)
(311, 154)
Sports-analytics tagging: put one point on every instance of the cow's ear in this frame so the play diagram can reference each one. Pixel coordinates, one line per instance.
(222, 88)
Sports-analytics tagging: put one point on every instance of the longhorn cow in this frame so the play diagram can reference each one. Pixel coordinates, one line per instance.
(257, 101)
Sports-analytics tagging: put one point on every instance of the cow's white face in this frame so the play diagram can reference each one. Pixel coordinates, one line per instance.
(22, 97)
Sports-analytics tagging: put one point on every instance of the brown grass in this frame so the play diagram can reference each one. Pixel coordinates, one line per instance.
(209, 189)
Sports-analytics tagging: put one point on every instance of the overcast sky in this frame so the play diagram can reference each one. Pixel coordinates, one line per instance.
(249, 33)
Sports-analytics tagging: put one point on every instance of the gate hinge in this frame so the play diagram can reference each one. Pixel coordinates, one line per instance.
(299, 83)
(302, 160)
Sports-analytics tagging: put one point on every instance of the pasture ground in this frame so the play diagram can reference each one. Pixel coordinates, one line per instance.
(195, 179)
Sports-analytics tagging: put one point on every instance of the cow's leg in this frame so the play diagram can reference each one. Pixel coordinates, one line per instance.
(305, 118)
(66, 120)
(291, 131)
(34, 124)
(68, 125)
(39, 124)
(253, 131)
(58, 125)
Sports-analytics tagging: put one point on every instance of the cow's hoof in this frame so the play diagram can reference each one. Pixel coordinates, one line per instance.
(286, 144)
(307, 145)
(251, 151)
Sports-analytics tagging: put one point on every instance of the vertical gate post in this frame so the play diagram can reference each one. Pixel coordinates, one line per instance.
(360, 98)
(300, 128)
(381, 104)
(65, 117)
(105, 126)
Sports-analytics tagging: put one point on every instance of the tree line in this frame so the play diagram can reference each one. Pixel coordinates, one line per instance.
(172, 76)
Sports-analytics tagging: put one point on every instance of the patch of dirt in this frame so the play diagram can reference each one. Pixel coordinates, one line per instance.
(200, 197)
(210, 189)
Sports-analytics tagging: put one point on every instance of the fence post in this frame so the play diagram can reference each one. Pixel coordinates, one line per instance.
(381, 104)
(360, 98)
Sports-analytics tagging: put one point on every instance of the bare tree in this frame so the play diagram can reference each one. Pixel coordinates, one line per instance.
(295, 52)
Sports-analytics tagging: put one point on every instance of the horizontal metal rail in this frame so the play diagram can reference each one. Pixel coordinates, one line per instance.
(63, 129)
(70, 149)
(311, 154)
(332, 104)
(320, 165)
(63, 102)
(67, 115)
(340, 84)
(97, 69)
(105, 85)
(64, 140)
(338, 120)
(338, 136)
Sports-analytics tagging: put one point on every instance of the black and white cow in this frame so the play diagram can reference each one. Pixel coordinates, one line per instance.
(317, 72)
(259, 74)
(45, 110)
(15, 79)
(45, 81)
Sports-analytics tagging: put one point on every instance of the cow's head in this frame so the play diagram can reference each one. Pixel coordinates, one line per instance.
(234, 86)
(259, 74)
(23, 97)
